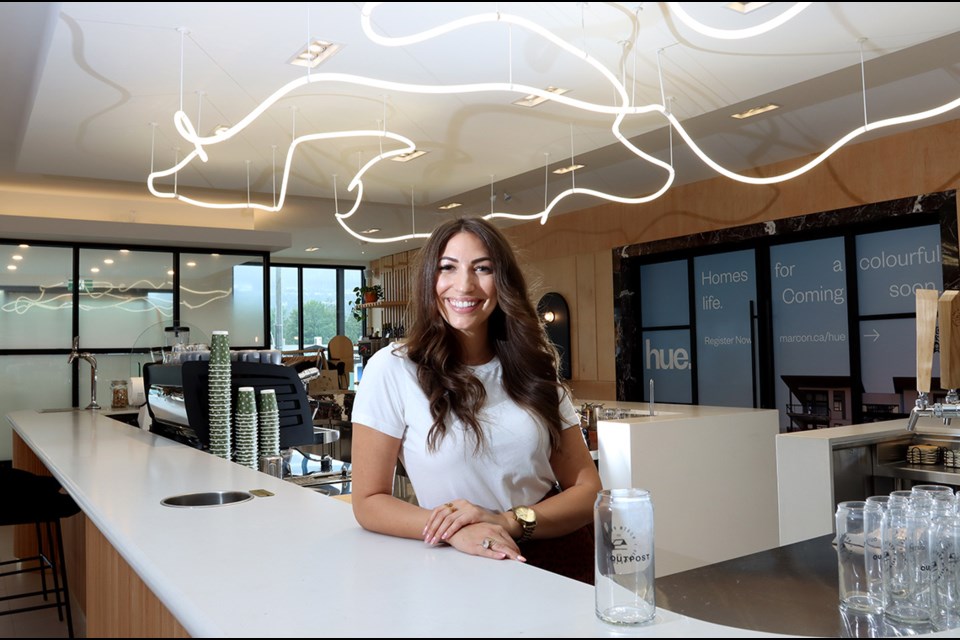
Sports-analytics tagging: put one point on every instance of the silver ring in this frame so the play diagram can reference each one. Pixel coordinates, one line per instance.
(487, 543)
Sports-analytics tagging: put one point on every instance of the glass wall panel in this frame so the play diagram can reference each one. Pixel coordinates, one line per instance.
(31, 382)
(319, 305)
(36, 299)
(284, 308)
(126, 297)
(223, 293)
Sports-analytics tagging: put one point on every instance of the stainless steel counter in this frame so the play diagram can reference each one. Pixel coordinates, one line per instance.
(792, 590)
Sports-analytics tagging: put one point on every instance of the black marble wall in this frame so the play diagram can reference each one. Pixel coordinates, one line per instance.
(859, 219)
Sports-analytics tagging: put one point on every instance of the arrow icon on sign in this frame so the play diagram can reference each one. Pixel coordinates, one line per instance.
(874, 335)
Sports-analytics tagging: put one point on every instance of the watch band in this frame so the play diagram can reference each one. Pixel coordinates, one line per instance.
(527, 518)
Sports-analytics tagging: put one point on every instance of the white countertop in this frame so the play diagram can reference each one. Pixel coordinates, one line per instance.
(297, 563)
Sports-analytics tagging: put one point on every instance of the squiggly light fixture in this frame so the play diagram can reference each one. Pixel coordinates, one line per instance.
(620, 111)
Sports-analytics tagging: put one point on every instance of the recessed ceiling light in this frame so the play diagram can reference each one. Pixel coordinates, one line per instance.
(312, 249)
(191, 264)
(407, 157)
(573, 167)
(745, 7)
(755, 111)
(24, 246)
(449, 205)
(108, 261)
(169, 272)
(533, 100)
(124, 250)
(315, 53)
(11, 267)
(17, 257)
(94, 269)
(371, 230)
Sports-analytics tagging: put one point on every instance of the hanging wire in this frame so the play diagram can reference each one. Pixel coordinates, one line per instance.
(546, 178)
(274, 147)
(413, 211)
(863, 80)
(176, 160)
(153, 143)
(309, 66)
(573, 172)
(183, 32)
(336, 199)
(199, 109)
(248, 182)
(493, 196)
(663, 95)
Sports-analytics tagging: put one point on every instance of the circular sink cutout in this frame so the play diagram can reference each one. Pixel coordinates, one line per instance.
(207, 499)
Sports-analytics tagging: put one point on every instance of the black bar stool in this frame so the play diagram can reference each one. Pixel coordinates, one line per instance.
(26, 498)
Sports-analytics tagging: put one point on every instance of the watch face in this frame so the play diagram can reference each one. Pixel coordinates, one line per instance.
(525, 514)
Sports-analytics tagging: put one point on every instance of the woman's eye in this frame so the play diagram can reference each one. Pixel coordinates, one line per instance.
(484, 269)
(446, 267)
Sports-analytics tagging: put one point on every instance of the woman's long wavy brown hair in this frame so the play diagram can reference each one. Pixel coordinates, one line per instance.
(516, 336)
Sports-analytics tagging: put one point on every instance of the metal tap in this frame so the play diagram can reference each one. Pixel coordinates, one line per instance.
(946, 410)
(93, 370)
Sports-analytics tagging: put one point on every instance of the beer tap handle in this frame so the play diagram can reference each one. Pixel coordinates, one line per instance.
(949, 314)
(926, 334)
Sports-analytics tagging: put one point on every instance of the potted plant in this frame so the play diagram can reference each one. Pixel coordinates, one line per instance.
(365, 294)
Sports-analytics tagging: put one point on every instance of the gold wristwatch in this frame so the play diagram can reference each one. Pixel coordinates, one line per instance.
(527, 518)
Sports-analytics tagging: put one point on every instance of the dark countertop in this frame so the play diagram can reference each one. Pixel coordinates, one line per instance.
(792, 590)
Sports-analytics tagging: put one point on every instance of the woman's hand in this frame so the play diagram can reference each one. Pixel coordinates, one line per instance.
(448, 518)
(486, 539)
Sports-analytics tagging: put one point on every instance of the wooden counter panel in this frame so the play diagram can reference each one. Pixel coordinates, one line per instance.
(120, 604)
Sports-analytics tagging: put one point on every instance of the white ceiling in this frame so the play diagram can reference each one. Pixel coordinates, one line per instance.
(83, 81)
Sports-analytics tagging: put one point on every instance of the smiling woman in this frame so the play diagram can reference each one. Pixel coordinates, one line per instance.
(472, 406)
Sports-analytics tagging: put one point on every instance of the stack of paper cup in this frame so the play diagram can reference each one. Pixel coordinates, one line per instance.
(269, 423)
(246, 428)
(219, 395)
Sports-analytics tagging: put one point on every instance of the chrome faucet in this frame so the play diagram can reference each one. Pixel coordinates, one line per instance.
(652, 413)
(946, 410)
(93, 370)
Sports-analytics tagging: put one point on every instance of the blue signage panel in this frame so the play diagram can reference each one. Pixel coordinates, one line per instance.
(809, 304)
(892, 265)
(666, 301)
(724, 286)
(666, 361)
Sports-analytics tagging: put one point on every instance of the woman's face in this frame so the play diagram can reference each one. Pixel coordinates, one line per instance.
(466, 286)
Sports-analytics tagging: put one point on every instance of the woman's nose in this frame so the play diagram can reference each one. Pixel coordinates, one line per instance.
(465, 281)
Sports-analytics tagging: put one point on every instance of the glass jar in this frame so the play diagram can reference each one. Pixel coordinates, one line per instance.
(119, 389)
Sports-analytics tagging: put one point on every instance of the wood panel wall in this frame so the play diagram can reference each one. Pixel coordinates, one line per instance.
(120, 605)
(571, 254)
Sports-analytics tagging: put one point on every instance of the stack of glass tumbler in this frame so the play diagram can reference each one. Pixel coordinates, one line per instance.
(898, 555)
(246, 428)
(219, 416)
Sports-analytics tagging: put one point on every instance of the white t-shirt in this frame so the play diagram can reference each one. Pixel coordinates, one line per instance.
(514, 465)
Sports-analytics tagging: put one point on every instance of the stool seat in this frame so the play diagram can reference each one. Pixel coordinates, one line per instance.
(27, 498)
